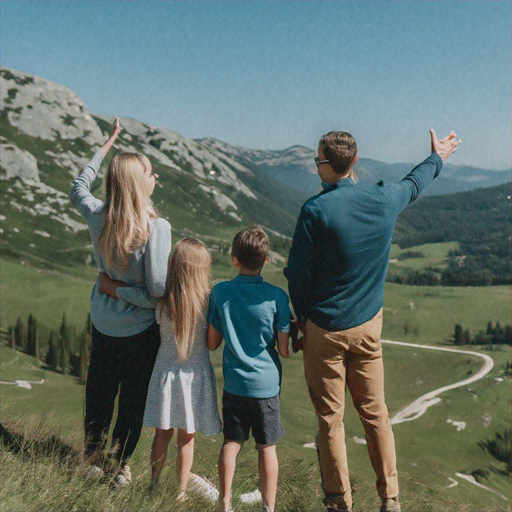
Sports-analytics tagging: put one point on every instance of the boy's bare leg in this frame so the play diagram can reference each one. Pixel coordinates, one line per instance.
(268, 467)
(184, 459)
(227, 464)
(159, 447)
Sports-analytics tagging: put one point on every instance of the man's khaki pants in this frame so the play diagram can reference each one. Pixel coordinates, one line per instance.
(352, 357)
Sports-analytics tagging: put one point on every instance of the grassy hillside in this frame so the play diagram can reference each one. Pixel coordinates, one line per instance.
(453, 217)
(410, 311)
(479, 220)
(430, 450)
(433, 255)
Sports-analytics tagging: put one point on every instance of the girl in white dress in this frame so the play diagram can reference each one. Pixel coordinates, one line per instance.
(182, 392)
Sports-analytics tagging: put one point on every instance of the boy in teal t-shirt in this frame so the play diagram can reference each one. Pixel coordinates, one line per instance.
(250, 315)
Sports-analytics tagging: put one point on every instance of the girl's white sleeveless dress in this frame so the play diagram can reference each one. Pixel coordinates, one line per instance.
(182, 394)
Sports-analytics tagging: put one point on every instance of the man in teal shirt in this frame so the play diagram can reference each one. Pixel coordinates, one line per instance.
(336, 272)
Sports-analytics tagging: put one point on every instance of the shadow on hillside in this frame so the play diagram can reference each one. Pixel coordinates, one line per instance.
(38, 447)
(499, 448)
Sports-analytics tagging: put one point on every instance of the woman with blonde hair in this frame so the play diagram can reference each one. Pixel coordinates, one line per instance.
(131, 244)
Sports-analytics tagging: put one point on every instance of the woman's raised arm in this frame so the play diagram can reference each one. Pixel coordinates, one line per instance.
(80, 195)
(117, 130)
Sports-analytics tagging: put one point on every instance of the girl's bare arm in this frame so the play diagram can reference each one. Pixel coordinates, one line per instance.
(214, 338)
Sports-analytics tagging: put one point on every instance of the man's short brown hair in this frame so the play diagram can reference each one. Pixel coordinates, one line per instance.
(250, 247)
(340, 149)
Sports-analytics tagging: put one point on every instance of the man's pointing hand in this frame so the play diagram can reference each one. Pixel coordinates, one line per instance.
(444, 147)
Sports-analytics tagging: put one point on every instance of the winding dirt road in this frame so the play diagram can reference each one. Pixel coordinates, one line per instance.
(418, 408)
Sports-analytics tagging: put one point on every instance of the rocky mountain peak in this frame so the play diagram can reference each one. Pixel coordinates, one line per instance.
(41, 108)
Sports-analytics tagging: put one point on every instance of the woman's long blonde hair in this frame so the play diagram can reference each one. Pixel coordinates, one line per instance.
(128, 209)
(187, 291)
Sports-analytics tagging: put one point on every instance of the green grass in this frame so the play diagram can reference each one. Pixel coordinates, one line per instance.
(432, 252)
(44, 293)
(412, 313)
(434, 255)
(429, 313)
(429, 450)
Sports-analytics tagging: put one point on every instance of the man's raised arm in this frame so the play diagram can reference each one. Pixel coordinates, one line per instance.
(408, 189)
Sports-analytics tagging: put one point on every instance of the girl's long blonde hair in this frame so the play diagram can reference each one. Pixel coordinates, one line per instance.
(128, 209)
(187, 291)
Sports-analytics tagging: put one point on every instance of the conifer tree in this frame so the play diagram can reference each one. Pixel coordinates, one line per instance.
(62, 355)
(64, 345)
(466, 337)
(507, 336)
(51, 354)
(31, 335)
(480, 338)
(12, 340)
(64, 333)
(38, 350)
(19, 334)
(458, 334)
(74, 347)
(88, 324)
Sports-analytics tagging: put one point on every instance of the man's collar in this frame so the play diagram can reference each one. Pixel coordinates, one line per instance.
(347, 181)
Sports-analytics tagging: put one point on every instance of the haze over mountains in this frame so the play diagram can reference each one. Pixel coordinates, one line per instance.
(206, 186)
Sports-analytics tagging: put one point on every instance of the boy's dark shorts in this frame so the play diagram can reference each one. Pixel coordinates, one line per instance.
(242, 413)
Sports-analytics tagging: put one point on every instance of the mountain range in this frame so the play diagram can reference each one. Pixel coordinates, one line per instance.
(206, 187)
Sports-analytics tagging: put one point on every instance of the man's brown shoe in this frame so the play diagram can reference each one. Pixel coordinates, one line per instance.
(390, 505)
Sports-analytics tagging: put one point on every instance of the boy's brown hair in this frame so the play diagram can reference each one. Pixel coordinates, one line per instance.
(250, 247)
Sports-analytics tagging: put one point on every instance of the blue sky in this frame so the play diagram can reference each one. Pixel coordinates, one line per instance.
(270, 74)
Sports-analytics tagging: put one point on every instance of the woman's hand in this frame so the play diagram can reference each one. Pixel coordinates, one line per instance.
(109, 286)
(117, 127)
(115, 132)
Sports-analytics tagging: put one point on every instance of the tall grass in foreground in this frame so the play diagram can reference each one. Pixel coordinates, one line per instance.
(41, 472)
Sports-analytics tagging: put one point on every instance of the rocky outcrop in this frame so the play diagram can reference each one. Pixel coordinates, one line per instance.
(184, 155)
(44, 109)
(18, 163)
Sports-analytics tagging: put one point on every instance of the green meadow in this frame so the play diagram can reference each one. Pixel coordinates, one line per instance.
(434, 255)
(430, 450)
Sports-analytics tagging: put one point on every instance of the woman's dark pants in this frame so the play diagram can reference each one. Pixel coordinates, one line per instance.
(118, 365)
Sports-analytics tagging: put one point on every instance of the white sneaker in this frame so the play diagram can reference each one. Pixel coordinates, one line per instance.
(251, 497)
(203, 488)
(182, 497)
(123, 477)
(92, 473)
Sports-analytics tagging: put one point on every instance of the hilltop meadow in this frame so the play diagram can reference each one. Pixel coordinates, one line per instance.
(42, 438)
